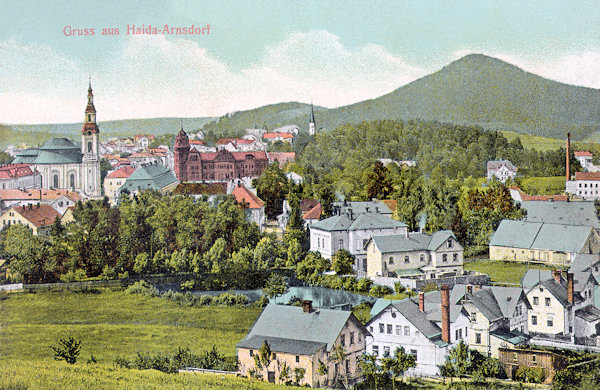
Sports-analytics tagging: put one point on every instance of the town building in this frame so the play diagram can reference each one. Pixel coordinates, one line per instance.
(194, 166)
(19, 176)
(150, 177)
(580, 213)
(55, 198)
(302, 339)
(252, 204)
(64, 164)
(426, 328)
(501, 170)
(548, 243)
(114, 180)
(39, 217)
(514, 358)
(351, 232)
(414, 254)
(585, 185)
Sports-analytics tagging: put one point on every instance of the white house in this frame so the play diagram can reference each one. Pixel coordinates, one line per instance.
(254, 206)
(585, 185)
(426, 327)
(351, 232)
(501, 169)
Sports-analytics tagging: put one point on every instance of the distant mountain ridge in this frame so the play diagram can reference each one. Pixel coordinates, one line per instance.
(475, 89)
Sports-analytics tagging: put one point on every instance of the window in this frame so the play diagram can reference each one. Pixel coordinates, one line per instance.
(444, 257)
(376, 350)
(297, 359)
(533, 320)
(450, 243)
(90, 147)
(455, 257)
(343, 340)
(274, 356)
(386, 351)
(547, 301)
(381, 328)
(550, 322)
(414, 353)
(347, 365)
(399, 330)
(391, 260)
(406, 259)
(370, 330)
(534, 359)
(474, 317)
(359, 337)
(341, 243)
(536, 300)
(351, 338)
(389, 329)
(477, 338)
(407, 330)
(251, 353)
(422, 258)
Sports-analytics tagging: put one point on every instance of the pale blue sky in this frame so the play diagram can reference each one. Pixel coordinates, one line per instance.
(259, 52)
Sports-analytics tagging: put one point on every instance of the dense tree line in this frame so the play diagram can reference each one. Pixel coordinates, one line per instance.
(344, 158)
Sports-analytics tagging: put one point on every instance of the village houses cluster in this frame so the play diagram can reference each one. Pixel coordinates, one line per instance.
(548, 308)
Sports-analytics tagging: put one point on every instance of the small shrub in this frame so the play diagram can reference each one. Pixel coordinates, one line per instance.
(67, 350)
(399, 288)
(121, 362)
(380, 291)
(143, 288)
(530, 375)
(92, 360)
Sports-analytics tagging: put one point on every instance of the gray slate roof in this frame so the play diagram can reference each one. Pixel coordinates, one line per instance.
(540, 235)
(583, 262)
(568, 213)
(320, 326)
(55, 151)
(410, 311)
(149, 177)
(414, 242)
(589, 313)
(496, 164)
(534, 276)
(365, 221)
(277, 344)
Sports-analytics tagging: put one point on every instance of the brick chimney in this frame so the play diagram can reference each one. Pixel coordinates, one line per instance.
(422, 302)
(570, 287)
(568, 156)
(469, 289)
(556, 275)
(307, 306)
(446, 313)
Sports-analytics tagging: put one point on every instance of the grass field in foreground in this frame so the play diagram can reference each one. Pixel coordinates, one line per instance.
(502, 271)
(114, 323)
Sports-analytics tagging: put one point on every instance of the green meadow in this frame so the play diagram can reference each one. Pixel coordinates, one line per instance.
(503, 272)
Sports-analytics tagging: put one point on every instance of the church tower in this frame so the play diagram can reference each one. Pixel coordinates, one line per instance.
(90, 144)
(311, 122)
(182, 151)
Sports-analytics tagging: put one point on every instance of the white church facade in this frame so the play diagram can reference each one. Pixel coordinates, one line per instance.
(64, 164)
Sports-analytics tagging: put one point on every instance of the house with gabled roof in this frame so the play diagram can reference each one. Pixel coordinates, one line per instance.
(548, 243)
(252, 204)
(303, 339)
(580, 213)
(498, 318)
(426, 327)
(501, 170)
(414, 254)
(19, 176)
(150, 177)
(38, 217)
(351, 232)
(114, 180)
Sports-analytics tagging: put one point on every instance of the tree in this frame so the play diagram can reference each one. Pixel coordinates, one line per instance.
(25, 252)
(370, 370)
(337, 357)
(272, 186)
(342, 262)
(396, 365)
(276, 286)
(263, 358)
(67, 349)
(326, 196)
(378, 182)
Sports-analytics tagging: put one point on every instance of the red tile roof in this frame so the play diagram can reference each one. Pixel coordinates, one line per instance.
(12, 171)
(282, 157)
(39, 215)
(583, 153)
(314, 213)
(196, 142)
(37, 194)
(587, 175)
(149, 136)
(225, 141)
(123, 172)
(391, 204)
(260, 154)
(243, 195)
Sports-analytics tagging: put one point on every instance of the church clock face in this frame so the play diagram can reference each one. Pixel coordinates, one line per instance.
(89, 133)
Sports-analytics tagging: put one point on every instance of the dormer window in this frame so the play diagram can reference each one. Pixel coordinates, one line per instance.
(450, 243)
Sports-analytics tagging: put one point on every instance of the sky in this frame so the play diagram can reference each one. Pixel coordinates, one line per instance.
(254, 53)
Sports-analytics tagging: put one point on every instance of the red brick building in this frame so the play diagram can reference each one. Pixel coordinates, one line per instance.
(192, 165)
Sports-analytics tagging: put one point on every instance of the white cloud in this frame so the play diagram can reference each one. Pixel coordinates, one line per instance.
(154, 76)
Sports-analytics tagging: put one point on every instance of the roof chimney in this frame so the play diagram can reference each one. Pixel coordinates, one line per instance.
(306, 306)
(446, 313)
(556, 275)
(570, 287)
(422, 302)
(469, 289)
(568, 156)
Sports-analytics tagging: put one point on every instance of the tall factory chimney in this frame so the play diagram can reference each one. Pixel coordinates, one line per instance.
(568, 156)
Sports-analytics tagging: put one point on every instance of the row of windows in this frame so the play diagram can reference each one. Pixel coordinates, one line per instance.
(549, 321)
(585, 185)
(536, 301)
(387, 351)
(350, 339)
(389, 329)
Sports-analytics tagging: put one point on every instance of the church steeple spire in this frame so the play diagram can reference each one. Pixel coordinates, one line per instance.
(89, 122)
(311, 122)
